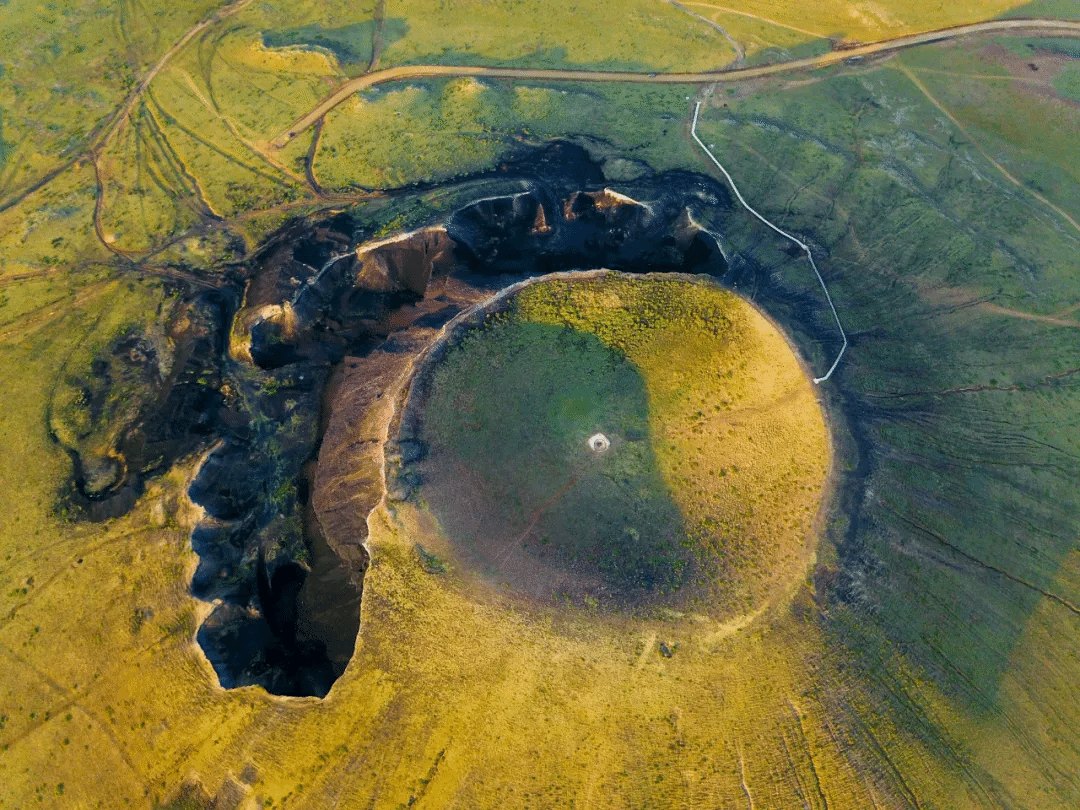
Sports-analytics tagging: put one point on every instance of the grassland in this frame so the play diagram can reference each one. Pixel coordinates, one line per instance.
(930, 660)
(176, 129)
(969, 464)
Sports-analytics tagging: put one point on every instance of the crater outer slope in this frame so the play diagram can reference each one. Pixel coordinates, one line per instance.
(718, 459)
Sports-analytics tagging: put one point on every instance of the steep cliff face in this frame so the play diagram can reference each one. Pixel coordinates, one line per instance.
(536, 232)
(405, 262)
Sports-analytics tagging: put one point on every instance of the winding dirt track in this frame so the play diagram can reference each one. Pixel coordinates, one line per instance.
(1031, 27)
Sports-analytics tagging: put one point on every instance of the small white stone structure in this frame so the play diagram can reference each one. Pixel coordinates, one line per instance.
(598, 442)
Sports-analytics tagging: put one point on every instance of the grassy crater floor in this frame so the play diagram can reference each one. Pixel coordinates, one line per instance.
(719, 454)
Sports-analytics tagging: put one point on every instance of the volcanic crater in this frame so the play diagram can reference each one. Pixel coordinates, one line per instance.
(290, 379)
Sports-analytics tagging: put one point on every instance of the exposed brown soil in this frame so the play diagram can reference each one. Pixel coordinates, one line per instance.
(1034, 74)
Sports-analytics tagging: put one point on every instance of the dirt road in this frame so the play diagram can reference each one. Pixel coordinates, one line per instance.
(1031, 27)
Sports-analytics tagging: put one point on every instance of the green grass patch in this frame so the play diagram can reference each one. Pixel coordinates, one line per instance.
(1067, 82)
(350, 44)
(523, 437)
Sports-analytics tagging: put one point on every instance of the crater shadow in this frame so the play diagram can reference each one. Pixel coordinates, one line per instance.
(523, 498)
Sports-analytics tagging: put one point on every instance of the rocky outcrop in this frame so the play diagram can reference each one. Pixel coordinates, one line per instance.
(535, 232)
(404, 262)
(144, 402)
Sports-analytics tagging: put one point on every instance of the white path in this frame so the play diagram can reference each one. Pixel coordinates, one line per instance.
(803, 245)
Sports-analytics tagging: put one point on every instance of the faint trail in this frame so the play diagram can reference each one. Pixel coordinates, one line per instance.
(1067, 311)
(1053, 597)
(379, 20)
(106, 130)
(1029, 316)
(740, 51)
(41, 674)
(742, 780)
(337, 198)
(41, 316)
(123, 116)
(171, 120)
(539, 513)
(13, 278)
(38, 184)
(99, 213)
(255, 148)
(971, 389)
(766, 20)
(125, 111)
(40, 588)
(987, 76)
(822, 801)
(309, 160)
(922, 88)
(803, 245)
(880, 750)
(800, 788)
(191, 189)
(29, 315)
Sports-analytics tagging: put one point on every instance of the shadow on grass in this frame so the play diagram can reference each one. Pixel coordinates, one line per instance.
(515, 485)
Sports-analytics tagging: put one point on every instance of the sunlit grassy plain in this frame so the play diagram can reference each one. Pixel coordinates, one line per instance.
(945, 677)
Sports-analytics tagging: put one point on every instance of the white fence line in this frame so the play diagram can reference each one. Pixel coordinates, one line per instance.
(803, 245)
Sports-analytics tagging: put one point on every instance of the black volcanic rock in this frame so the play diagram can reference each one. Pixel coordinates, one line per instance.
(144, 403)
